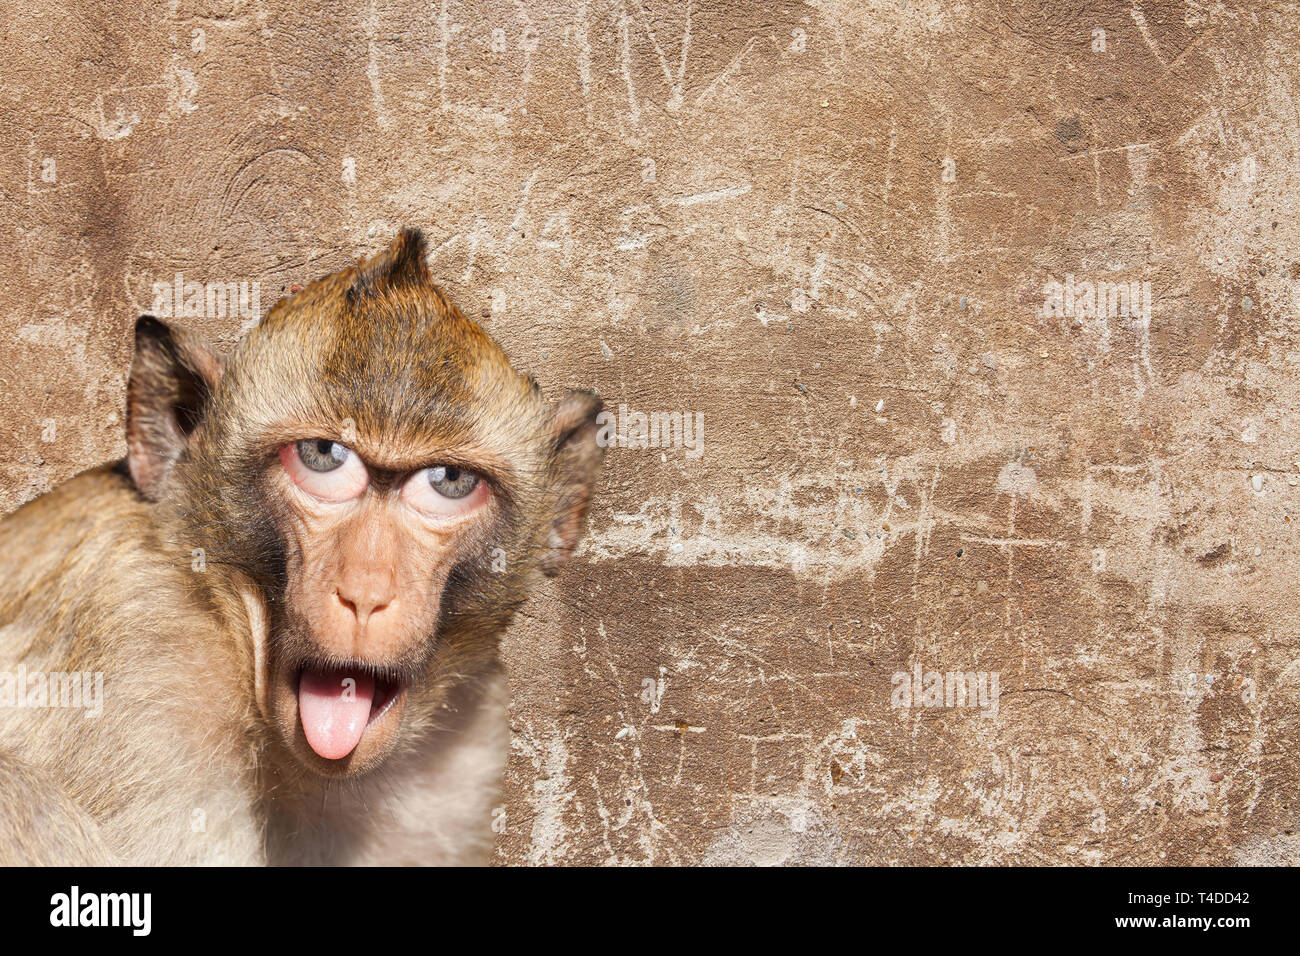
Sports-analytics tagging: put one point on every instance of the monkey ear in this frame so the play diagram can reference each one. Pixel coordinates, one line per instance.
(575, 463)
(172, 376)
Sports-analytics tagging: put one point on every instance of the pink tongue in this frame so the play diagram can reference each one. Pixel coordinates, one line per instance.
(334, 708)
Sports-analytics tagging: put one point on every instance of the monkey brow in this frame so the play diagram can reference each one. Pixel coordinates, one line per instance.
(462, 430)
(387, 464)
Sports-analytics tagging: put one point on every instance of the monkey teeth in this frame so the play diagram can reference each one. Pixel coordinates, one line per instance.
(386, 691)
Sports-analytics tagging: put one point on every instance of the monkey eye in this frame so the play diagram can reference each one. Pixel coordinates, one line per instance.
(451, 481)
(321, 454)
(325, 469)
(445, 490)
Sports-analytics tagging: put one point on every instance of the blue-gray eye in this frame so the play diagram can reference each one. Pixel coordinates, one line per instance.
(451, 481)
(321, 454)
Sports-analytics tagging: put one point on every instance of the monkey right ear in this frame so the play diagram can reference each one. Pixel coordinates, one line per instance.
(172, 376)
(576, 458)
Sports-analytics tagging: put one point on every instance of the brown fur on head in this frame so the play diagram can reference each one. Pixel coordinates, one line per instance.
(390, 581)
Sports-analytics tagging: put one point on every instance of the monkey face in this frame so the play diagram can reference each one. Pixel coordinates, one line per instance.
(376, 482)
(369, 554)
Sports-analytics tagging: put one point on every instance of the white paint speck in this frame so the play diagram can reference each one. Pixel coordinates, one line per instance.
(1017, 479)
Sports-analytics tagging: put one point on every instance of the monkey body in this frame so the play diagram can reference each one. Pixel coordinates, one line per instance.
(285, 588)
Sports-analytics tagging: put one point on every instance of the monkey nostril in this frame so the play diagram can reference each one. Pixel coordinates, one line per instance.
(375, 608)
(351, 606)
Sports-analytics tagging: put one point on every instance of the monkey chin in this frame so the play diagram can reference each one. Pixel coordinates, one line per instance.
(377, 739)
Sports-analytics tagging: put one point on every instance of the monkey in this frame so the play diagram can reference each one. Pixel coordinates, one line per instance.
(293, 587)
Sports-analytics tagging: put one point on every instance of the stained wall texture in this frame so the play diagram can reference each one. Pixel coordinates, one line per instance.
(988, 308)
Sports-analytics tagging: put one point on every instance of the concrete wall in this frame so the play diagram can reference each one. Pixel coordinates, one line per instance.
(831, 230)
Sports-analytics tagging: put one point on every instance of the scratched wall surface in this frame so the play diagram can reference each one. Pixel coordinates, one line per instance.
(832, 230)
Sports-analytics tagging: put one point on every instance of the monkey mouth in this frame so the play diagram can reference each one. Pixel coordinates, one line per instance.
(337, 705)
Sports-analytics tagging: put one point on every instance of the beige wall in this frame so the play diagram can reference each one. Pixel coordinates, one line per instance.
(827, 228)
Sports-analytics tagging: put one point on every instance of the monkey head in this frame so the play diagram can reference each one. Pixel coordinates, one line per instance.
(378, 485)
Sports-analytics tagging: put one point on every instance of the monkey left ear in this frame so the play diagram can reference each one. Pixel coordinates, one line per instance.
(576, 462)
(172, 376)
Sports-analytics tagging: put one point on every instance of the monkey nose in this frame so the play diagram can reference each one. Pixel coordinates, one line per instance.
(362, 602)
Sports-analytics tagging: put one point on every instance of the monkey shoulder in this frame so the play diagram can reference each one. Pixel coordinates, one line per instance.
(89, 543)
(71, 512)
